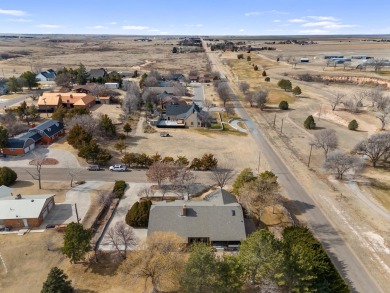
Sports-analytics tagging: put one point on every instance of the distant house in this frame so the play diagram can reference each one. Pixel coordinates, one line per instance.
(51, 101)
(304, 60)
(174, 77)
(25, 212)
(95, 74)
(86, 89)
(194, 78)
(46, 132)
(48, 75)
(179, 116)
(112, 85)
(217, 220)
(207, 78)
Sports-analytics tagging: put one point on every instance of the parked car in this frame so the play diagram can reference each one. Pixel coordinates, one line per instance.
(118, 168)
(94, 168)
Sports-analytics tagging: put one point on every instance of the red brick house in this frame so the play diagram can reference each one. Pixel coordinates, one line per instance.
(46, 132)
(25, 212)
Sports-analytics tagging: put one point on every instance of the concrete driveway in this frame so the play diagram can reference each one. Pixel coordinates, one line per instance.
(126, 202)
(64, 213)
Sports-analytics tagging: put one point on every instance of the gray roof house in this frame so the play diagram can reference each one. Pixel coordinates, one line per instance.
(217, 218)
(48, 75)
(180, 115)
(96, 73)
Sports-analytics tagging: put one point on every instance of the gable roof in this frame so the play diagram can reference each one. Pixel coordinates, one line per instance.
(84, 101)
(96, 73)
(23, 208)
(19, 142)
(216, 219)
(49, 74)
(48, 128)
(181, 111)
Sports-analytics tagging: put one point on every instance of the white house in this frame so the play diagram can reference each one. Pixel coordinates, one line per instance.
(48, 75)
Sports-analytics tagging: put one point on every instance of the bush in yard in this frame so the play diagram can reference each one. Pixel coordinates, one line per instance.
(138, 215)
(256, 68)
(297, 91)
(283, 105)
(267, 79)
(7, 176)
(208, 162)
(353, 125)
(264, 73)
(119, 188)
(309, 122)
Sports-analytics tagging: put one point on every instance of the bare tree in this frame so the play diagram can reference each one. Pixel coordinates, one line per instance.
(374, 95)
(221, 175)
(340, 163)
(161, 171)
(145, 192)
(130, 102)
(325, 139)
(250, 99)
(261, 98)
(159, 259)
(374, 147)
(244, 87)
(87, 122)
(105, 198)
(382, 103)
(336, 99)
(223, 91)
(178, 88)
(378, 64)
(205, 118)
(184, 181)
(73, 173)
(121, 237)
(151, 81)
(383, 117)
(355, 102)
(36, 174)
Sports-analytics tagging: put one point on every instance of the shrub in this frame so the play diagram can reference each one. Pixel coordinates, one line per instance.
(121, 136)
(267, 79)
(264, 73)
(297, 91)
(7, 176)
(283, 105)
(119, 188)
(138, 215)
(309, 122)
(353, 125)
(248, 58)
(285, 84)
(240, 56)
(208, 162)
(256, 68)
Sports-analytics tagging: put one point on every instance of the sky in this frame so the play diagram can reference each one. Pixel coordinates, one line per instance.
(195, 17)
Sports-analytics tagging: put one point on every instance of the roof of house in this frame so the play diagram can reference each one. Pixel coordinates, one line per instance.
(219, 218)
(49, 74)
(96, 73)
(49, 100)
(181, 111)
(49, 127)
(24, 208)
(84, 101)
(19, 142)
(174, 76)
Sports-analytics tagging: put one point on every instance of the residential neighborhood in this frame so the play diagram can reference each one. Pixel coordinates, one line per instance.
(134, 158)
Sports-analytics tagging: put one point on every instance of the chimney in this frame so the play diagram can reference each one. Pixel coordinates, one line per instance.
(184, 211)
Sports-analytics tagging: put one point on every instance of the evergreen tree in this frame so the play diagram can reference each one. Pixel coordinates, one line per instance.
(107, 125)
(3, 137)
(285, 84)
(29, 79)
(127, 128)
(297, 91)
(81, 74)
(57, 282)
(7, 176)
(76, 242)
(78, 137)
(353, 125)
(245, 176)
(59, 114)
(283, 105)
(309, 122)
(13, 84)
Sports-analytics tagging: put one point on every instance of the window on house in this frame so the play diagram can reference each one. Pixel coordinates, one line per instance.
(233, 212)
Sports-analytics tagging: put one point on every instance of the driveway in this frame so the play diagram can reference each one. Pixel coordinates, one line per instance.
(65, 159)
(126, 202)
(198, 94)
(64, 213)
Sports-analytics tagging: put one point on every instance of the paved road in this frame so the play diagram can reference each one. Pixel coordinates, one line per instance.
(198, 94)
(10, 102)
(341, 254)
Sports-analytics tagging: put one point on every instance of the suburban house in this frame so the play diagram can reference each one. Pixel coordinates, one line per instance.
(48, 75)
(103, 100)
(46, 132)
(194, 78)
(86, 88)
(174, 77)
(24, 212)
(180, 116)
(95, 74)
(218, 219)
(51, 101)
(207, 78)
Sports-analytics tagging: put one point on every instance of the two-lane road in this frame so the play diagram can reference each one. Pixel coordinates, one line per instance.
(347, 263)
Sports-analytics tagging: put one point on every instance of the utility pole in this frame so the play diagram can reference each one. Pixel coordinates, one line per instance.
(274, 119)
(258, 165)
(77, 213)
(281, 127)
(319, 115)
(311, 148)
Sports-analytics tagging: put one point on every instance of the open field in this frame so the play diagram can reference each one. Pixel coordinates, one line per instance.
(112, 53)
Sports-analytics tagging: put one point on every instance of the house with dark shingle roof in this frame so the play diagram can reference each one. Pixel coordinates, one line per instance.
(48, 75)
(180, 115)
(46, 132)
(216, 219)
(95, 74)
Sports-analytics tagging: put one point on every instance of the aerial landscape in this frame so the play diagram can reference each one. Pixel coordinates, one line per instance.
(206, 147)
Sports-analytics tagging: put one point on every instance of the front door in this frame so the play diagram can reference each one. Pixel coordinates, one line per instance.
(25, 222)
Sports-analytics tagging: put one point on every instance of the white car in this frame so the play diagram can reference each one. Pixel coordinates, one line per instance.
(119, 168)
